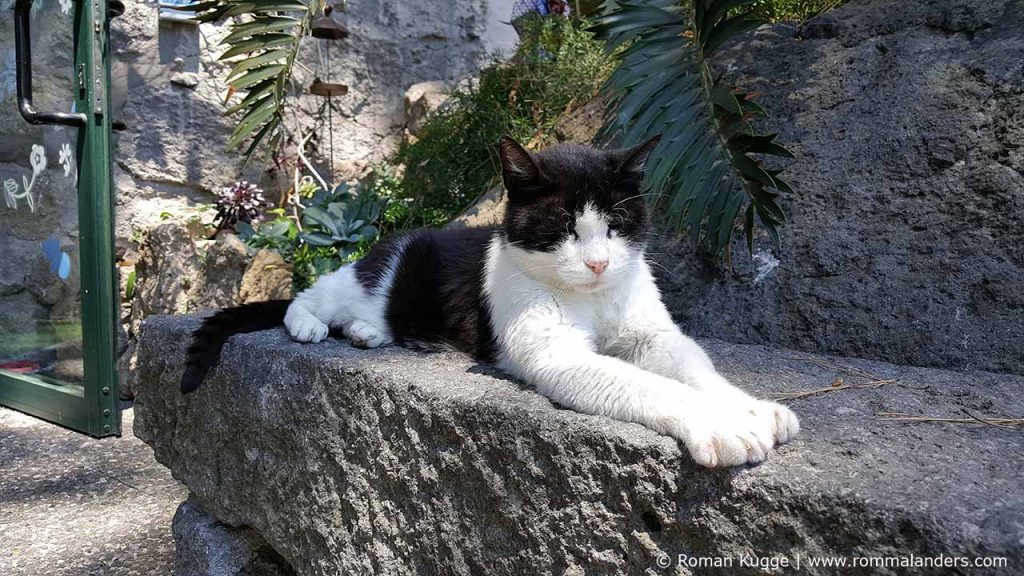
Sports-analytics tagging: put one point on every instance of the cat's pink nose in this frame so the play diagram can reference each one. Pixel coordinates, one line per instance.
(597, 266)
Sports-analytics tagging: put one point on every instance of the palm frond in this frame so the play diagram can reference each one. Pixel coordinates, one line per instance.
(702, 171)
(263, 42)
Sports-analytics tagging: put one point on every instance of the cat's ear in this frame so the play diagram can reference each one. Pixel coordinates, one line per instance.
(633, 161)
(517, 165)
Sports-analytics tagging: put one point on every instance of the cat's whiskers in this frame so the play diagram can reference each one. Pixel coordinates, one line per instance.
(656, 264)
(524, 271)
(638, 196)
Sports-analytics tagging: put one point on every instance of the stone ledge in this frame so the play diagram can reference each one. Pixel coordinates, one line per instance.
(395, 462)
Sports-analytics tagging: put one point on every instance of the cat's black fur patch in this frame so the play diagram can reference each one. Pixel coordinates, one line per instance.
(370, 269)
(436, 299)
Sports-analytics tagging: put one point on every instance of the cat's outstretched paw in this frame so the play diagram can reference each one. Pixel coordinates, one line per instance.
(729, 438)
(307, 329)
(365, 335)
(785, 425)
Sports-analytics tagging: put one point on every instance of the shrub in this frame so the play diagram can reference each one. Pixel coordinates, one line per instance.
(558, 67)
(800, 10)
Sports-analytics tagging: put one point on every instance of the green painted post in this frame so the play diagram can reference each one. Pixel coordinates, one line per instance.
(96, 222)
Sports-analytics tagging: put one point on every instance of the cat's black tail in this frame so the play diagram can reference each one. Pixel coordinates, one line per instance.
(215, 331)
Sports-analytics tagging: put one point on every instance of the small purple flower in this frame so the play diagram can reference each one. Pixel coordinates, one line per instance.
(240, 202)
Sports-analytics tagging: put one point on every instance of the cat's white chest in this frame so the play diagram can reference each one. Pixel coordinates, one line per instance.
(598, 314)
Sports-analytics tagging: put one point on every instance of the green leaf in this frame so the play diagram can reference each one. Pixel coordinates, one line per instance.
(198, 7)
(316, 239)
(751, 170)
(719, 8)
(249, 63)
(269, 128)
(254, 118)
(723, 97)
(700, 172)
(763, 144)
(259, 43)
(264, 6)
(260, 25)
(256, 93)
(238, 8)
(725, 30)
(280, 227)
(257, 75)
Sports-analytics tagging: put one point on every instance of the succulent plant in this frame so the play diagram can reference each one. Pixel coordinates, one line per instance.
(240, 202)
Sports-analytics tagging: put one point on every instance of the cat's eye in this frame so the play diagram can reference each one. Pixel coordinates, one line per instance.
(610, 233)
(575, 236)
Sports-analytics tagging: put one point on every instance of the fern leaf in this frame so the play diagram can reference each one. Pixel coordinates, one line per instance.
(701, 174)
(265, 36)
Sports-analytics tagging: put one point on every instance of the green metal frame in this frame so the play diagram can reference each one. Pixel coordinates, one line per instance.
(93, 407)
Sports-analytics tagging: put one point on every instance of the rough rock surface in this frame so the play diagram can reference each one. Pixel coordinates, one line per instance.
(904, 242)
(355, 462)
(268, 277)
(421, 100)
(206, 547)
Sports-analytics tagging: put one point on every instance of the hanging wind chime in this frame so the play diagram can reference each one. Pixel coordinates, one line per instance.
(325, 28)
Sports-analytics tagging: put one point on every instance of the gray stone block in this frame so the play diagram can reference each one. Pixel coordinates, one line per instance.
(348, 461)
(904, 241)
(206, 547)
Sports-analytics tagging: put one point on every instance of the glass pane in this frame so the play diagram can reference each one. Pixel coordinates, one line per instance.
(40, 308)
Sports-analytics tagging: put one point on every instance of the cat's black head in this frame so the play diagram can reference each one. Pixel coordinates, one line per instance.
(582, 206)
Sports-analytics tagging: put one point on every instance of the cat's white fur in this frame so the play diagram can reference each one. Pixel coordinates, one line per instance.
(597, 343)
(338, 300)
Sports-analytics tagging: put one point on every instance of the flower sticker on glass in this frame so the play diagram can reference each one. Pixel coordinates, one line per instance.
(65, 6)
(37, 158)
(11, 195)
(67, 160)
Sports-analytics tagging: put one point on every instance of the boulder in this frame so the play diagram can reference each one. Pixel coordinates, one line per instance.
(421, 100)
(487, 210)
(206, 547)
(904, 240)
(223, 266)
(268, 277)
(348, 461)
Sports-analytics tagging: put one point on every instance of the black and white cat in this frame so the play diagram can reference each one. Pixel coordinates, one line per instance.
(560, 297)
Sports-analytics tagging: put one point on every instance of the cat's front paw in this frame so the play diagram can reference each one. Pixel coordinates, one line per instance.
(365, 335)
(784, 423)
(307, 329)
(729, 437)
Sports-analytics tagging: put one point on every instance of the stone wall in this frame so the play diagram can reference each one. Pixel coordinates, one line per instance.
(170, 93)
